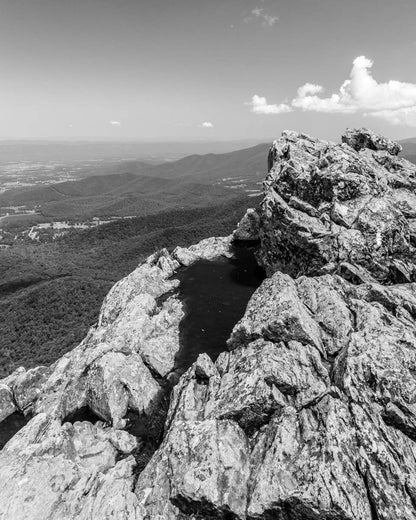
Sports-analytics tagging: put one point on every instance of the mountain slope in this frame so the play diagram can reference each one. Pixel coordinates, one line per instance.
(115, 195)
(196, 180)
(249, 162)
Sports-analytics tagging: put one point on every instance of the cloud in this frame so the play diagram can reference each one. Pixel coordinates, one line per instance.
(115, 123)
(402, 116)
(393, 101)
(206, 124)
(259, 106)
(259, 14)
(309, 89)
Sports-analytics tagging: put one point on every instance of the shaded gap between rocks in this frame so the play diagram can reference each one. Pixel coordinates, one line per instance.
(215, 294)
(82, 414)
(11, 425)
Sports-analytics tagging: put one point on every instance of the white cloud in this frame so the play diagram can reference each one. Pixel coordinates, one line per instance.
(206, 124)
(393, 101)
(402, 116)
(258, 13)
(309, 89)
(259, 106)
(115, 123)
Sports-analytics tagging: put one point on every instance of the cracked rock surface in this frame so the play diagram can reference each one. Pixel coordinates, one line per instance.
(54, 470)
(348, 208)
(317, 397)
(311, 413)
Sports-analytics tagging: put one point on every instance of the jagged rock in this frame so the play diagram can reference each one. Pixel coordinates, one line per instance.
(305, 466)
(200, 468)
(213, 247)
(249, 226)
(364, 138)
(7, 403)
(54, 472)
(184, 256)
(320, 377)
(327, 204)
(284, 317)
(207, 249)
(118, 383)
(19, 390)
(129, 315)
(27, 386)
(323, 409)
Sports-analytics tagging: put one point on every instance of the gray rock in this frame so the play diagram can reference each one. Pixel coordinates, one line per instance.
(249, 226)
(364, 138)
(7, 402)
(213, 247)
(207, 249)
(327, 204)
(53, 470)
(323, 410)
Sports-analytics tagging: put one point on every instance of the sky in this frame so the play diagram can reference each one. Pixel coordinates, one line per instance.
(206, 69)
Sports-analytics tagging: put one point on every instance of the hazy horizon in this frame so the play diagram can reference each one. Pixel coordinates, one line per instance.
(218, 70)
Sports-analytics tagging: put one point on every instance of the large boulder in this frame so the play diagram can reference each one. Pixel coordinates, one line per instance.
(311, 415)
(53, 471)
(347, 209)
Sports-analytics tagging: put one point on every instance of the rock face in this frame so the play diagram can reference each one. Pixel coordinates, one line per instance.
(348, 209)
(309, 415)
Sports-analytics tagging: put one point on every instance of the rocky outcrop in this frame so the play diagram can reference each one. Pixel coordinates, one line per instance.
(311, 412)
(83, 471)
(310, 415)
(248, 229)
(125, 356)
(348, 209)
(121, 368)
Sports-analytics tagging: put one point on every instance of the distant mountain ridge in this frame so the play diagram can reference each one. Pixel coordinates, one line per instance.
(157, 151)
(139, 188)
(213, 167)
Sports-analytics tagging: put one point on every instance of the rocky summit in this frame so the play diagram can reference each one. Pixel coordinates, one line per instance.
(309, 413)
